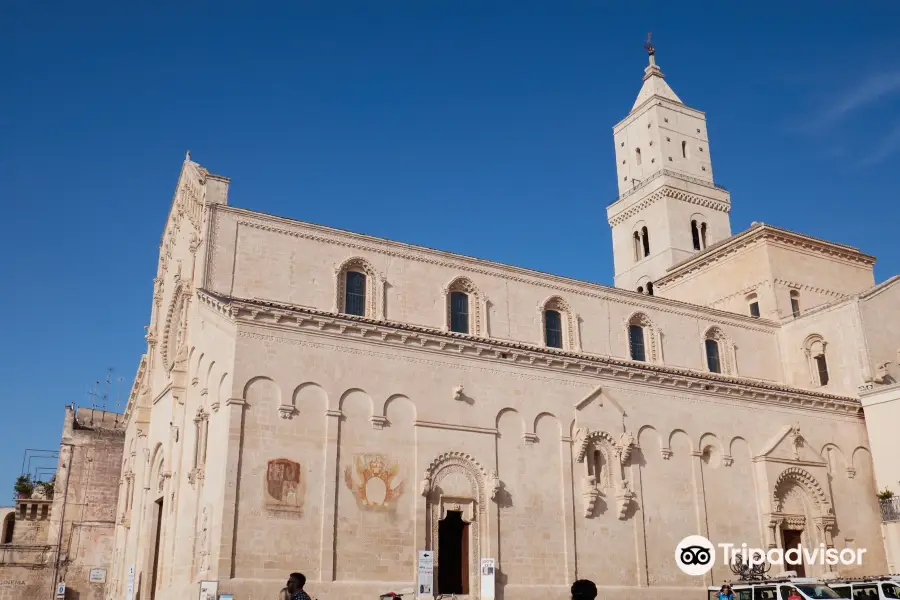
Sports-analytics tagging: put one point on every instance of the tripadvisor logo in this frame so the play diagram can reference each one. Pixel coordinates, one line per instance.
(696, 555)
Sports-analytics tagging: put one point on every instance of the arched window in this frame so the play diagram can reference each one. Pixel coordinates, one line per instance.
(459, 312)
(559, 325)
(684, 150)
(645, 238)
(358, 289)
(712, 356)
(814, 347)
(553, 329)
(463, 307)
(355, 298)
(637, 246)
(9, 524)
(636, 343)
(637, 156)
(695, 235)
(703, 234)
(753, 305)
(649, 288)
(795, 303)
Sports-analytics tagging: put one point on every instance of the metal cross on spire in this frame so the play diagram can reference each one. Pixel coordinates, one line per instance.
(649, 45)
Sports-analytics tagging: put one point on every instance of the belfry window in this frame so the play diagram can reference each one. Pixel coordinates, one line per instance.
(459, 312)
(703, 234)
(753, 305)
(649, 288)
(637, 246)
(553, 329)
(355, 303)
(684, 150)
(645, 239)
(636, 342)
(695, 235)
(814, 347)
(795, 303)
(822, 368)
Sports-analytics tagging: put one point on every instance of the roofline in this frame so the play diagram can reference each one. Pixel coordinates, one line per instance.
(597, 287)
(756, 230)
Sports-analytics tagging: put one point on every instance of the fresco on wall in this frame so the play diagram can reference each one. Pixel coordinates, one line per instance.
(375, 481)
(284, 485)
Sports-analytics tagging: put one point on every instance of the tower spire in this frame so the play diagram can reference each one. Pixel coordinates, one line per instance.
(654, 80)
(651, 50)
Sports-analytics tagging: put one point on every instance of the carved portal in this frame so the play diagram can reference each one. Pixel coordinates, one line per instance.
(456, 481)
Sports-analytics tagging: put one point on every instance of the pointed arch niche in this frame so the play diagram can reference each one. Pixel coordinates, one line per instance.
(603, 458)
(455, 482)
(370, 285)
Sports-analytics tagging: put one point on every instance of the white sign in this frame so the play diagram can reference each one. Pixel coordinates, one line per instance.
(60, 590)
(209, 590)
(488, 569)
(97, 575)
(425, 587)
(129, 591)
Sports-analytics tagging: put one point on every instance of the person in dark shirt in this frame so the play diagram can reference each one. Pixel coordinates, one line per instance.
(295, 587)
(584, 589)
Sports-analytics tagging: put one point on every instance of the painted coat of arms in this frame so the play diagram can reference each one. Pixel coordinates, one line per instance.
(284, 485)
(374, 481)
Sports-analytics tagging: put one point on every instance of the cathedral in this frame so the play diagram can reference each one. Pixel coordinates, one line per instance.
(321, 401)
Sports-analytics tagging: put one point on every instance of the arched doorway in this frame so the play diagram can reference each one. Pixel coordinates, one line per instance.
(9, 524)
(802, 516)
(455, 489)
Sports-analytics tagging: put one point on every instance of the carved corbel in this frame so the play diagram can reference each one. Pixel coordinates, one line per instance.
(578, 442)
(666, 453)
(624, 497)
(589, 493)
(727, 460)
(494, 484)
(851, 473)
(378, 421)
(286, 411)
(624, 447)
(425, 486)
(458, 393)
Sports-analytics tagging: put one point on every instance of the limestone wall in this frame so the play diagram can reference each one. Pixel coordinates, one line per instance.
(295, 263)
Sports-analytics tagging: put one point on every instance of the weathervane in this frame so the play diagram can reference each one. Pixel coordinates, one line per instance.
(649, 45)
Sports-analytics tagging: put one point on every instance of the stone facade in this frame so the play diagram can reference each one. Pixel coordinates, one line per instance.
(38, 554)
(286, 417)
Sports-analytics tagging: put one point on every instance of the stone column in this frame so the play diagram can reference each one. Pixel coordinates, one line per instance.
(568, 505)
(329, 501)
(224, 567)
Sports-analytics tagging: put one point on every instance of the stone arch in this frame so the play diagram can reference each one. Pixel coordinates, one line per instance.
(399, 409)
(198, 367)
(374, 301)
(223, 391)
(861, 458)
(651, 335)
(209, 375)
(831, 449)
(172, 326)
(356, 396)
(469, 498)
(510, 414)
(542, 419)
(310, 400)
(712, 451)
(805, 480)
(476, 304)
(603, 443)
(8, 528)
(266, 387)
(680, 434)
(814, 348)
(570, 336)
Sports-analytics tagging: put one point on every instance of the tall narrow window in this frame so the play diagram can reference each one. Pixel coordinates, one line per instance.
(637, 246)
(637, 156)
(795, 303)
(753, 304)
(695, 235)
(649, 288)
(822, 368)
(553, 329)
(355, 303)
(645, 238)
(703, 234)
(459, 312)
(712, 356)
(684, 151)
(636, 342)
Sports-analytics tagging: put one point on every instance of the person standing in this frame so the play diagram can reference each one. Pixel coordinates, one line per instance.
(295, 587)
(584, 589)
(725, 593)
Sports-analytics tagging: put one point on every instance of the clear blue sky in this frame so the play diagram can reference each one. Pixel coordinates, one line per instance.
(482, 128)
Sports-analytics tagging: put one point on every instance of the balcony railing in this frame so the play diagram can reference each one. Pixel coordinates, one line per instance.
(670, 173)
(890, 509)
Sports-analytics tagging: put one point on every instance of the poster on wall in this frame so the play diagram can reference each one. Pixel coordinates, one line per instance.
(129, 591)
(488, 569)
(209, 590)
(425, 587)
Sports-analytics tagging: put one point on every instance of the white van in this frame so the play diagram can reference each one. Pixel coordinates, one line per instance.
(778, 589)
(867, 588)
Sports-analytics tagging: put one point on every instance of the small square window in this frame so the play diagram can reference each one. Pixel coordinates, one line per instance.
(704, 168)
(651, 142)
(652, 160)
(701, 148)
(670, 159)
(668, 139)
(623, 161)
(666, 120)
(648, 125)
(698, 131)
(623, 144)
(625, 178)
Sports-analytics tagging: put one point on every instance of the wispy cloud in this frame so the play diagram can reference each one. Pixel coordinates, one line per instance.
(855, 98)
(889, 144)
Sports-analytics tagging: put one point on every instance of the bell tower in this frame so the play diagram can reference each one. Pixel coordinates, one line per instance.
(669, 207)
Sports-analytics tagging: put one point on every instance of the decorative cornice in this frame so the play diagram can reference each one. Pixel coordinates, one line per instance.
(469, 265)
(668, 192)
(287, 317)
